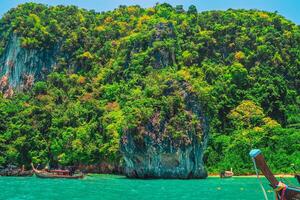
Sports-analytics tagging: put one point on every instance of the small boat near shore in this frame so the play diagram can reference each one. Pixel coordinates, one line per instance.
(226, 174)
(282, 190)
(56, 174)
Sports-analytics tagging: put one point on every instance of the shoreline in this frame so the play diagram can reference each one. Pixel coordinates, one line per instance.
(209, 176)
(216, 175)
(254, 176)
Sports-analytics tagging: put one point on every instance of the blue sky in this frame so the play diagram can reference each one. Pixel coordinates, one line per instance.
(288, 8)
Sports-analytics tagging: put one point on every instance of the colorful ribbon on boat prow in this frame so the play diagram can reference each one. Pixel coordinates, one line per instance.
(281, 187)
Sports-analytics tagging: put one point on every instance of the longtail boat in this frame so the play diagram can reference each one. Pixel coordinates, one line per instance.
(56, 174)
(226, 174)
(282, 190)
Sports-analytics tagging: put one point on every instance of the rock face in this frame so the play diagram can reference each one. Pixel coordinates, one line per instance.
(170, 144)
(19, 67)
(157, 156)
(163, 57)
(101, 168)
(12, 170)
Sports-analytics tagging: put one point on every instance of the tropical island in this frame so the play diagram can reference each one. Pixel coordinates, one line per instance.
(157, 92)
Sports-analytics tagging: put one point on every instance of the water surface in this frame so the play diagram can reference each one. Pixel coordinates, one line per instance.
(107, 187)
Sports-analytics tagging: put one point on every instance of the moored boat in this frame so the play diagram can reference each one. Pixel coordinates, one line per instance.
(56, 174)
(226, 174)
(282, 190)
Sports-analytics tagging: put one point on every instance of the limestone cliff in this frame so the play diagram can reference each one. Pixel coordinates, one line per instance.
(155, 154)
(20, 67)
(168, 144)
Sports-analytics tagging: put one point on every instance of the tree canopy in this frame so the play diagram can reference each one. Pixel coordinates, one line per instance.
(116, 69)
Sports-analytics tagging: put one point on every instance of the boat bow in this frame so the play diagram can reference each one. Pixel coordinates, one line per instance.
(283, 191)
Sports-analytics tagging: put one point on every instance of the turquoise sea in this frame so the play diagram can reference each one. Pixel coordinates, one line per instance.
(106, 187)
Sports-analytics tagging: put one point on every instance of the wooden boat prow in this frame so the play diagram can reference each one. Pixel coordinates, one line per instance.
(283, 191)
(56, 174)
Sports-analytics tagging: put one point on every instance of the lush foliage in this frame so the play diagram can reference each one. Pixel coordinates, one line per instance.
(116, 69)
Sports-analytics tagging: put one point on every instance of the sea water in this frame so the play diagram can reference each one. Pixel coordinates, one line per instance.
(108, 187)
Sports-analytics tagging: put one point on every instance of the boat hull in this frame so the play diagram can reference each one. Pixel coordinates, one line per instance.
(55, 174)
(49, 175)
(226, 174)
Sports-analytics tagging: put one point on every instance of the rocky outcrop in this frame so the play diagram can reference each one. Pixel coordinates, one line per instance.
(164, 55)
(151, 152)
(101, 168)
(12, 170)
(20, 67)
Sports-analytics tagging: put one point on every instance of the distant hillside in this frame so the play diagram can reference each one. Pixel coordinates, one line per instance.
(161, 89)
